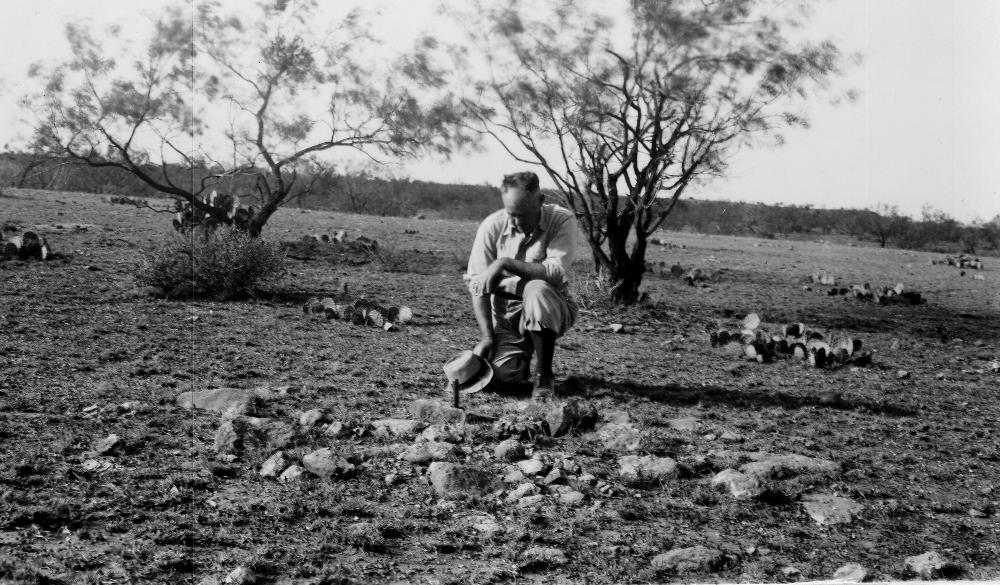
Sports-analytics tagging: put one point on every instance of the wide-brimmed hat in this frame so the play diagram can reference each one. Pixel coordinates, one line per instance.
(469, 372)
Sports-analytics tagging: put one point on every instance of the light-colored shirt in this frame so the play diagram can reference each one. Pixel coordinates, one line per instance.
(553, 245)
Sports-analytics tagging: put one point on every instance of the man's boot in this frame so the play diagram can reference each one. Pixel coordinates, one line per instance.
(545, 346)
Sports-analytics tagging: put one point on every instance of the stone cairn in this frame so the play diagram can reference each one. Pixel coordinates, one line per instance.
(360, 312)
(796, 341)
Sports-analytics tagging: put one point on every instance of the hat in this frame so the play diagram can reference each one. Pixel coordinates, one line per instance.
(469, 372)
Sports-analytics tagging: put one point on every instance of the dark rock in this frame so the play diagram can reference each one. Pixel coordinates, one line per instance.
(575, 415)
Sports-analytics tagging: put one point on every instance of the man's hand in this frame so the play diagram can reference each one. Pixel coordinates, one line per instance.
(494, 273)
(484, 348)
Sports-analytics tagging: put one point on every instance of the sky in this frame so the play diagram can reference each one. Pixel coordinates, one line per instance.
(924, 131)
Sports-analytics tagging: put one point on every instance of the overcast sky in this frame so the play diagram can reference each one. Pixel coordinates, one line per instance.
(925, 130)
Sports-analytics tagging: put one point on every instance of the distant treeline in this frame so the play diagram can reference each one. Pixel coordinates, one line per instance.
(364, 193)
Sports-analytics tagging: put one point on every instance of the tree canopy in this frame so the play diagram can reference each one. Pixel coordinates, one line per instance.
(258, 93)
(624, 114)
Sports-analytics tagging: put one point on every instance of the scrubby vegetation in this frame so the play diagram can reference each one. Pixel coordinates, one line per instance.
(223, 264)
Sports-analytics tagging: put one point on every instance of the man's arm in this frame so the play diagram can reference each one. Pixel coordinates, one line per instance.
(483, 310)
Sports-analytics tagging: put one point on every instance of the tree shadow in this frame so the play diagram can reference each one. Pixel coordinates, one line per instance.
(679, 395)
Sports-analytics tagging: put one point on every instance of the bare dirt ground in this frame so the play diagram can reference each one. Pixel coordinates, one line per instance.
(84, 355)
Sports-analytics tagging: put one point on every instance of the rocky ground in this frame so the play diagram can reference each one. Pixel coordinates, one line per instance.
(247, 442)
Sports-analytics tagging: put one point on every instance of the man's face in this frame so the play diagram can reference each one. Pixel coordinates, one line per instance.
(524, 209)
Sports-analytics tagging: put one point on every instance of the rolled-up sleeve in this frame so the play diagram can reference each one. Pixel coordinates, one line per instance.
(561, 250)
(484, 252)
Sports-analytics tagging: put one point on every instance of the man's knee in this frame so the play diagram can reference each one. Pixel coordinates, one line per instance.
(544, 307)
(510, 370)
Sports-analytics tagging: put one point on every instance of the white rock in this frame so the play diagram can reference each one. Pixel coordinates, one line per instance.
(623, 436)
(688, 424)
(544, 556)
(427, 451)
(930, 565)
(311, 418)
(851, 573)
(398, 427)
(509, 450)
(571, 498)
(523, 490)
(739, 485)
(531, 467)
(274, 465)
(647, 467)
(684, 560)
(767, 465)
(240, 576)
(292, 474)
(442, 433)
(827, 509)
(326, 463)
(531, 501)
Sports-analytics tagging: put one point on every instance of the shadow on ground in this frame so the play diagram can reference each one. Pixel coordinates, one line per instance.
(680, 395)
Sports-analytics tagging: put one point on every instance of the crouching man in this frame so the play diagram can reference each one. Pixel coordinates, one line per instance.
(517, 277)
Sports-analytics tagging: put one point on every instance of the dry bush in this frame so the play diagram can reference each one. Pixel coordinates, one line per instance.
(223, 264)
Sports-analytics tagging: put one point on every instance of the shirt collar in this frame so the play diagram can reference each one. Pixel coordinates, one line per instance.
(543, 222)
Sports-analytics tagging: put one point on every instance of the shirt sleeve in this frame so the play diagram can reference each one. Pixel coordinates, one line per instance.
(561, 250)
(484, 252)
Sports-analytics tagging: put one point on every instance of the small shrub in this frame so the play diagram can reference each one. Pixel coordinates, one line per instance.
(223, 264)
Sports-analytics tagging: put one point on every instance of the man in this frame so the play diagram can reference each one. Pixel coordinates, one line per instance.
(518, 279)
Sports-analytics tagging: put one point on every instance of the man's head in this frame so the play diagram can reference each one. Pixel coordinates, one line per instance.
(523, 200)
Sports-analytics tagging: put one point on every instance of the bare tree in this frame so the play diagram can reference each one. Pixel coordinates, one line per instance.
(624, 116)
(256, 96)
(883, 222)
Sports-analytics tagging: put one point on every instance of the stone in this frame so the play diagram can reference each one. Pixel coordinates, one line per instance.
(531, 501)
(240, 576)
(616, 416)
(242, 434)
(557, 475)
(398, 427)
(325, 463)
(686, 560)
(928, 566)
(274, 465)
(739, 485)
(108, 445)
(623, 436)
(570, 466)
(509, 450)
(442, 433)
(521, 491)
(225, 401)
(770, 466)
(311, 418)
(731, 437)
(543, 556)
(365, 535)
(436, 411)
(571, 498)
(513, 476)
(427, 451)
(688, 424)
(449, 479)
(292, 474)
(790, 572)
(827, 509)
(532, 467)
(484, 524)
(851, 573)
(616, 327)
(902, 375)
(647, 467)
(574, 415)
(587, 479)
(337, 430)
